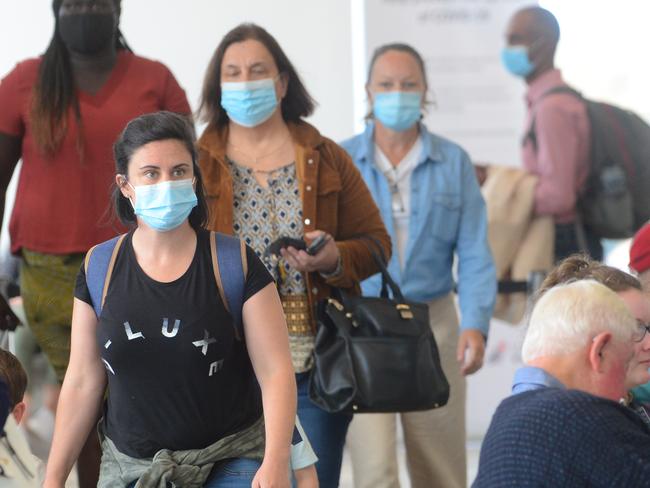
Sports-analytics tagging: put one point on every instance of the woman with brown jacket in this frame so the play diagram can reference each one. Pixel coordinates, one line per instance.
(268, 174)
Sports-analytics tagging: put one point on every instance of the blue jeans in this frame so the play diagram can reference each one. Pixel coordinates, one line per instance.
(231, 473)
(325, 431)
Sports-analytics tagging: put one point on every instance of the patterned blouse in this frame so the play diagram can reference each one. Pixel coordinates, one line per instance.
(261, 215)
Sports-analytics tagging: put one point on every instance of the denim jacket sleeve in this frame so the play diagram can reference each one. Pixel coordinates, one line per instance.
(477, 283)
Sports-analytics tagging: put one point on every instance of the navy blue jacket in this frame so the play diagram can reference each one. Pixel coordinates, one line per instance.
(564, 438)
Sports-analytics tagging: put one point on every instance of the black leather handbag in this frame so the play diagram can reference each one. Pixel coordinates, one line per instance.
(376, 354)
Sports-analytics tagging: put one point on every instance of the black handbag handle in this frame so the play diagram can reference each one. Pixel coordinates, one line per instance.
(387, 281)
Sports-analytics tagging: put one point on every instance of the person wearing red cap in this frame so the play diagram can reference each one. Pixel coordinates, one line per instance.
(640, 264)
(640, 256)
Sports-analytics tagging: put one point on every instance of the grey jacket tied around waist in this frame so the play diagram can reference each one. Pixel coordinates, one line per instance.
(187, 469)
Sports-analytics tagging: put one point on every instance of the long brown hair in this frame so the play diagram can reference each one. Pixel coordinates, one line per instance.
(296, 104)
(54, 92)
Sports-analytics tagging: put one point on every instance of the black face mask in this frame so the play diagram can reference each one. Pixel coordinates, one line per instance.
(87, 33)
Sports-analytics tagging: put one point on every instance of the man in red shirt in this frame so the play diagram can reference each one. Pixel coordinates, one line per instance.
(557, 140)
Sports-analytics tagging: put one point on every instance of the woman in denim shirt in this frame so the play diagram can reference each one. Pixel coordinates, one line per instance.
(430, 201)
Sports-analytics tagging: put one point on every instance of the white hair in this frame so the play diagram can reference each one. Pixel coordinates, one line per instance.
(568, 316)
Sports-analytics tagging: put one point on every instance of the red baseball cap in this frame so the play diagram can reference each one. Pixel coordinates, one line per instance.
(640, 250)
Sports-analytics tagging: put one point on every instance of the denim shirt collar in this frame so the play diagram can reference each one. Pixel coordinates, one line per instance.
(532, 378)
(430, 149)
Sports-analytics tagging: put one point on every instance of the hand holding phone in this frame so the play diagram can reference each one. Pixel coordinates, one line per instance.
(321, 255)
(282, 243)
(316, 245)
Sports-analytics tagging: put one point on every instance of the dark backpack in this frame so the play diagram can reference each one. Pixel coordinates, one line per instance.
(228, 263)
(615, 201)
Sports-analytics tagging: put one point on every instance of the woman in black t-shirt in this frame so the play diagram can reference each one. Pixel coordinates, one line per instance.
(179, 377)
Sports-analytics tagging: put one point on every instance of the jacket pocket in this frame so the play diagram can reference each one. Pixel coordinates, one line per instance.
(327, 202)
(444, 217)
(329, 183)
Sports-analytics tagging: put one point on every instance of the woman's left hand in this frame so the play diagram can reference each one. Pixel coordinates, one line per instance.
(272, 475)
(325, 261)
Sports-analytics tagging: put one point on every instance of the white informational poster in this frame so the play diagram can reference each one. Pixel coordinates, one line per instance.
(475, 101)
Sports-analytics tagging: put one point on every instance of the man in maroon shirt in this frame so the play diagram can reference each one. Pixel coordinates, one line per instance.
(557, 140)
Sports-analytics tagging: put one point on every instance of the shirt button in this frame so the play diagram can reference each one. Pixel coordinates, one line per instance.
(314, 291)
(307, 221)
(310, 161)
(308, 188)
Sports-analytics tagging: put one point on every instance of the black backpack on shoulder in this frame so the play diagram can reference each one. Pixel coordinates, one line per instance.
(615, 201)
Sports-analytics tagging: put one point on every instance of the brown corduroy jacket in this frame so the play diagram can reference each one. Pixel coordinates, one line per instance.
(335, 199)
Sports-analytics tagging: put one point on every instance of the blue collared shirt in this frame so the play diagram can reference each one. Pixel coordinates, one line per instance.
(447, 217)
(533, 378)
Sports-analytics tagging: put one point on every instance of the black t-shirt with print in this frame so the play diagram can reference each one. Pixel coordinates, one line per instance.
(177, 377)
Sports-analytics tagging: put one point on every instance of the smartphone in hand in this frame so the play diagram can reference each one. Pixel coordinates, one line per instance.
(282, 243)
(317, 244)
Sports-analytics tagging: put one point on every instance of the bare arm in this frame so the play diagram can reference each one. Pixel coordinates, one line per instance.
(306, 477)
(81, 396)
(268, 345)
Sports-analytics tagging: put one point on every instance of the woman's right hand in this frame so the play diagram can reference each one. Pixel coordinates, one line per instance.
(272, 475)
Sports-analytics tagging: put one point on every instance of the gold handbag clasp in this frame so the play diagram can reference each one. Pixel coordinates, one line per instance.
(338, 305)
(404, 311)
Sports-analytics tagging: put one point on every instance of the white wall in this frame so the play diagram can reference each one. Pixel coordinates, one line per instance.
(603, 49)
(316, 35)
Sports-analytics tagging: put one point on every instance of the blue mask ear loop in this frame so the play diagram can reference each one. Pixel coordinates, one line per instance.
(275, 80)
(534, 45)
(129, 183)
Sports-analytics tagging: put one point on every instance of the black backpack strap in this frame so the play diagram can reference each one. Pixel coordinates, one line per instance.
(531, 134)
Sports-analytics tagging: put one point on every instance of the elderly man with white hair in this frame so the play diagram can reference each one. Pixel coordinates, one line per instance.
(574, 432)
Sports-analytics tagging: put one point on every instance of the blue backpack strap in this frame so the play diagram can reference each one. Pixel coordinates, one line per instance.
(98, 266)
(230, 270)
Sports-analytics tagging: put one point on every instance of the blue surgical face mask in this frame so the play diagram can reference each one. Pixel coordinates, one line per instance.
(397, 110)
(249, 103)
(164, 206)
(516, 60)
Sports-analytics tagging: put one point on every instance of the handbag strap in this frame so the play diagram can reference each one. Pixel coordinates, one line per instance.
(377, 246)
(387, 281)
